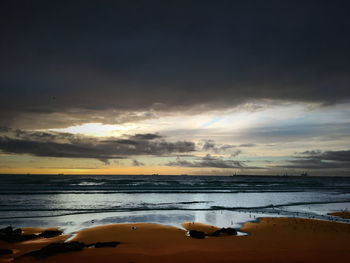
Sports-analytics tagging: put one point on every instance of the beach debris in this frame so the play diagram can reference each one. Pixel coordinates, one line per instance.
(5, 252)
(57, 248)
(197, 234)
(10, 235)
(225, 232)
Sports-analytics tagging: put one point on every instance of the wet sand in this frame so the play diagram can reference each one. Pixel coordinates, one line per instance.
(343, 214)
(269, 240)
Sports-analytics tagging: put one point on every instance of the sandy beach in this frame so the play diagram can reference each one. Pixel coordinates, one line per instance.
(184, 131)
(269, 240)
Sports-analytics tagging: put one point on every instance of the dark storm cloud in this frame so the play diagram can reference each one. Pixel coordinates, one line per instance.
(335, 129)
(147, 136)
(336, 156)
(236, 153)
(137, 163)
(125, 141)
(247, 145)
(317, 159)
(4, 129)
(210, 161)
(43, 136)
(52, 149)
(210, 145)
(64, 57)
(56, 144)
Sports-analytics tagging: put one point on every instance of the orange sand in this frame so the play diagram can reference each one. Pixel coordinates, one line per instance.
(270, 240)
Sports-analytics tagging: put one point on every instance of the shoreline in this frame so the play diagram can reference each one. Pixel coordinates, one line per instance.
(342, 214)
(268, 240)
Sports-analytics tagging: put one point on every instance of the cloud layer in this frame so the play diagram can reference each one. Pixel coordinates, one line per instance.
(211, 161)
(80, 61)
(66, 145)
(316, 159)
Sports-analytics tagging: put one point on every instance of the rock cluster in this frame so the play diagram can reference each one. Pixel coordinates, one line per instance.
(50, 233)
(197, 234)
(56, 248)
(5, 252)
(221, 232)
(11, 235)
(225, 232)
(104, 244)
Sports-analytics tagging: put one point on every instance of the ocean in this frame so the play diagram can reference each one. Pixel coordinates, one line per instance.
(74, 202)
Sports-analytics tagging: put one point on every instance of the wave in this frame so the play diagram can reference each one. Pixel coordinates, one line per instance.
(277, 206)
(162, 191)
(255, 209)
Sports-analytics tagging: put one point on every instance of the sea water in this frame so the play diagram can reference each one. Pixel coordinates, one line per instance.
(74, 202)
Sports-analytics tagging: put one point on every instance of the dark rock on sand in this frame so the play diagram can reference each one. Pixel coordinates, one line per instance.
(19, 238)
(197, 234)
(6, 231)
(55, 248)
(105, 244)
(50, 233)
(17, 231)
(12, 236)
(225, 232)
(5, 251)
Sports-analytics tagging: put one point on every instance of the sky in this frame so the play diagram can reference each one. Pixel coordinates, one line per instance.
(175, 87)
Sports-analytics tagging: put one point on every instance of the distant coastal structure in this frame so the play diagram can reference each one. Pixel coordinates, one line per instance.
(302, 174)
